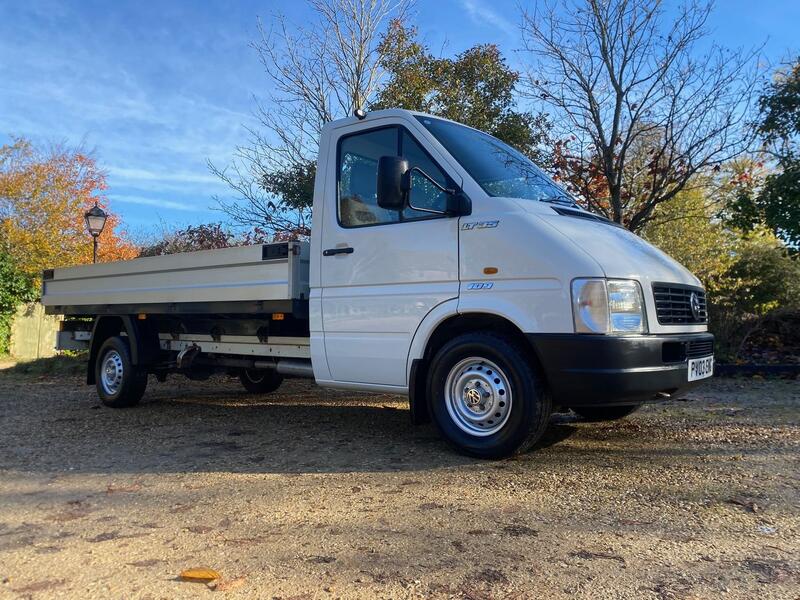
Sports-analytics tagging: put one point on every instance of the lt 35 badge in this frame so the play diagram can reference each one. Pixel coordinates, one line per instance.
(480, 285)
(479, 225)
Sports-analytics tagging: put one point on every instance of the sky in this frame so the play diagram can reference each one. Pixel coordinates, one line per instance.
(157, 89)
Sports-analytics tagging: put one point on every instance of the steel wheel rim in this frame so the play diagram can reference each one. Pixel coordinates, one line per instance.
(478, 396)
(251, 379)
(111, 372)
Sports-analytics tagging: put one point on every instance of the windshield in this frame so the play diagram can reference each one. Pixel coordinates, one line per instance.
(498, 168)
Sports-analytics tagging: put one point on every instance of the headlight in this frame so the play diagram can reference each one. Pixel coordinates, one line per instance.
(625, 306)
(607, 306)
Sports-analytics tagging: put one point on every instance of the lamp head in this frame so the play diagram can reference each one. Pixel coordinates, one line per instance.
(95, 219)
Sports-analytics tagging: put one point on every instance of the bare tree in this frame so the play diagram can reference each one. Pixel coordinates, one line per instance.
(315, 74)
(643, 109)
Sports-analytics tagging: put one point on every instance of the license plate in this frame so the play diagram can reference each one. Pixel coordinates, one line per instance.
(700, 368)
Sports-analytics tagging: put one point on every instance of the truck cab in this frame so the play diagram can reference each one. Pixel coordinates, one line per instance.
(446, 266)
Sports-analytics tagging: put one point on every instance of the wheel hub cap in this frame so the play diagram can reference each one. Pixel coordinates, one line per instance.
(478, 396)
(111, 372)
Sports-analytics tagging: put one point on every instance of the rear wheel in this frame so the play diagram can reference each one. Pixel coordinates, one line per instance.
(486, 397)
(260, 381)
(605, 413)
(119, 382)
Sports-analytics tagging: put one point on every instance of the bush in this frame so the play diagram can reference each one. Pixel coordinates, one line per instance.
(762, 282)
(747, 276)
(210, 236)
(15, 288)
(773, 338)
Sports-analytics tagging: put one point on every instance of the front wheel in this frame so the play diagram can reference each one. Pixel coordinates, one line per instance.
(605, 413)
(486, 397)
(119, 382)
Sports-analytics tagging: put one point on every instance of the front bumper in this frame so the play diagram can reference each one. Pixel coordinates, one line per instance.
(590, 370)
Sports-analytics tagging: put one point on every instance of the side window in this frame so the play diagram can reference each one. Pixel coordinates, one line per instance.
(423, 193)
(358, 175)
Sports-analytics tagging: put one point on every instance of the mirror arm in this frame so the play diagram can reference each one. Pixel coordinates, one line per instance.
(450, 213)
(428, 210)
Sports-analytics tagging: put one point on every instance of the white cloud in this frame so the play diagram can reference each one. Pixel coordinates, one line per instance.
(131, 174)
(480, 13)
(166, 204)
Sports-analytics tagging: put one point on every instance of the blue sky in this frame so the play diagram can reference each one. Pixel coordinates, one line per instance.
(157, 88)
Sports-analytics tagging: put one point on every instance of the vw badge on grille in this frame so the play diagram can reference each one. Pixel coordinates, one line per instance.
(694, 304)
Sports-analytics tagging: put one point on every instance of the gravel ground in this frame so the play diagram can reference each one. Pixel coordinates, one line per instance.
(310, 493)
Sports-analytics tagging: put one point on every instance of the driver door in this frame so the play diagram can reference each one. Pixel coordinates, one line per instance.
(382, 271)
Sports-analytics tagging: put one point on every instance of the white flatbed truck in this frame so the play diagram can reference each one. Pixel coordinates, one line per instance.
(443, 265)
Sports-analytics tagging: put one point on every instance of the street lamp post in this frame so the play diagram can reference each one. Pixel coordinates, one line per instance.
(95, 219)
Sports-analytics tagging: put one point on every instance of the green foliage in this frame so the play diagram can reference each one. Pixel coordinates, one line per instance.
(774, 202)
(294, 186)
(767, 277)
(476, 88)
(762, 283)
(746, 275)
(780, 109)
(777, 202)
(15, 288)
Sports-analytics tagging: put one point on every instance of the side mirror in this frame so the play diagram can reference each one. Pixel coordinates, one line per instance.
(393, 182)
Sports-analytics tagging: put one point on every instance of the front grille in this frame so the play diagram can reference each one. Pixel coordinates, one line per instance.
(674, 307)
(699, 348)
(676, 352)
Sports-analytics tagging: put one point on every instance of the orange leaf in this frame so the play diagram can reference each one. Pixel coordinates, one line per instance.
(200, 575)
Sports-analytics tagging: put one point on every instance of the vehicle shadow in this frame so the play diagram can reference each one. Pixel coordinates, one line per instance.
(56, 425)
(190, 426)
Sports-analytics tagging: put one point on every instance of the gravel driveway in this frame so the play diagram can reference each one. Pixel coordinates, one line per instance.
(316, 494)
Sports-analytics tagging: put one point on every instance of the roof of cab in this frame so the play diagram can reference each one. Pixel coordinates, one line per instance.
(379, 114)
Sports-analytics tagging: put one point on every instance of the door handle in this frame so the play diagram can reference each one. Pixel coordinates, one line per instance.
(335, 251)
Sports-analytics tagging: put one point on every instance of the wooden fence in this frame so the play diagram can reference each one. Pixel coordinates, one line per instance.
(33, 333)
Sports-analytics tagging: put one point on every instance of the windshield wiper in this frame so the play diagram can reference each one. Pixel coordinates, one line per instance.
(560, 200)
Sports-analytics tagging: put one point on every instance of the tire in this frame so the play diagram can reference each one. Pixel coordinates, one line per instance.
(492, 368)
(120, 384)
(260, 381)
(605, 413)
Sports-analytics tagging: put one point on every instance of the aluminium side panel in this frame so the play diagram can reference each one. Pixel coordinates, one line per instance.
(247, 273)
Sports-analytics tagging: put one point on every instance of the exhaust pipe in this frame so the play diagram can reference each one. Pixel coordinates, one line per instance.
(292, 367)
